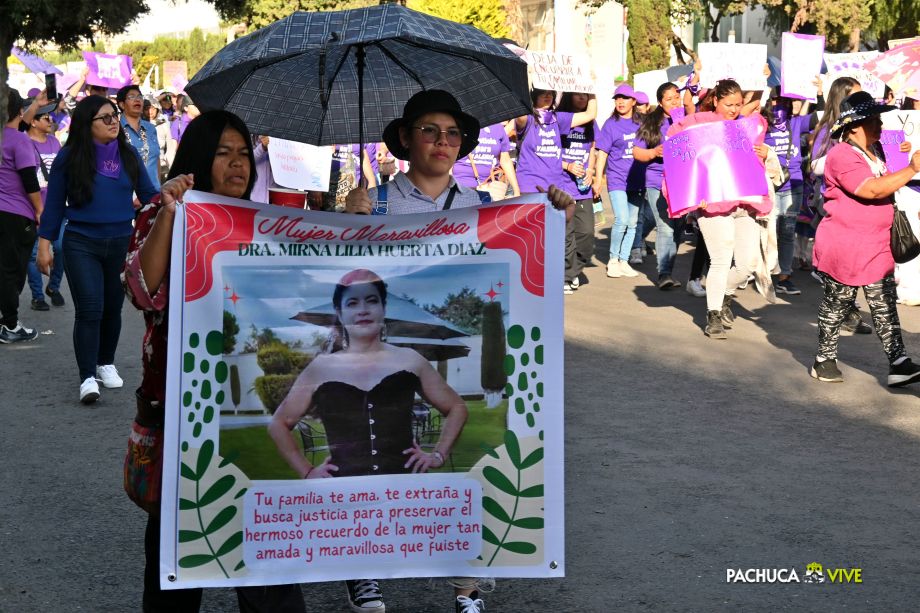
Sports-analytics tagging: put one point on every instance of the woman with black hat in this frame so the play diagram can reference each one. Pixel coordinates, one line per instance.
(852, 244)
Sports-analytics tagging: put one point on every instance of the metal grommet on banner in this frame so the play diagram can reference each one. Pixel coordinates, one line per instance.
(553, 565)
(172, 577)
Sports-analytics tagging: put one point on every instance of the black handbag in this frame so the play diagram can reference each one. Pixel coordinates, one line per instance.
(904, 243)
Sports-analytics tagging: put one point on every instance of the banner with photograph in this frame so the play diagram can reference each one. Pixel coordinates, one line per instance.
(742, 62)
(106, 70)
(802, 59)
(306, 345)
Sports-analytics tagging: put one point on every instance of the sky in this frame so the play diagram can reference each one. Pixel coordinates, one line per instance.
(269, 297)
(166, 17)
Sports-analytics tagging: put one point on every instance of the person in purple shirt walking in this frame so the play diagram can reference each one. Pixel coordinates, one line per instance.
(186, 111)
(625, 178)
(578, 165)
(479, 168)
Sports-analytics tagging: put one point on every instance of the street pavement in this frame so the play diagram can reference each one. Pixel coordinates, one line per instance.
(685, 457)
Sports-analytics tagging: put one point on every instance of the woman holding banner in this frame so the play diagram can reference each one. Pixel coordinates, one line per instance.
(215, 157)
(852, 244)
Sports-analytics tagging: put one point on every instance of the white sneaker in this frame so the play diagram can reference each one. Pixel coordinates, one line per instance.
(613, 269)
(695, 288)
(109, 376)
(89, 391)
(575, 283)
(627, 270)
(635, 256)
(567, 289)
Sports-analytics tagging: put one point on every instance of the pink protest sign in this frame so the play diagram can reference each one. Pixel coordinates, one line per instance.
(802, 58)
(678, 113)
(108, 70)
(714, 163)
(895, 159)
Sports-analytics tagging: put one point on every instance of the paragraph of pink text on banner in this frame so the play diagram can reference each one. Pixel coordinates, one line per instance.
(329, 522)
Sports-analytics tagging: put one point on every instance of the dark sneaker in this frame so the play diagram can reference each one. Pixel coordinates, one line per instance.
(854, 324)
(364, 596)
(583, 279)
(666, 282)
(470, 604)
(57, 298)
(728, 318)
(40, 305)
(904, 373)
(827, 371)
(714, 326)
(786, 286)
(18, 334)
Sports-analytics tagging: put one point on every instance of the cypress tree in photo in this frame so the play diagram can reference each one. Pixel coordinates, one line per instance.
(493, 377)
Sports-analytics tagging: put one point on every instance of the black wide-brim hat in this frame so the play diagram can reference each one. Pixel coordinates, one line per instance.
(432, 101)
(855, 108)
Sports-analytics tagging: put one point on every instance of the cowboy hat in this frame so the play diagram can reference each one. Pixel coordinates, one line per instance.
(856, 108)
(431, 101)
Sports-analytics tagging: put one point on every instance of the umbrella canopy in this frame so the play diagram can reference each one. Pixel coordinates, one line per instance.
(899, 68)
(403, 319)
(35, 63)
(432, 349)
(340, 77)
(678, 71)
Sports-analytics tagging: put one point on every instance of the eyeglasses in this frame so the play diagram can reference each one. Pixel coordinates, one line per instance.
(430, 134)
(134, 97)
(108, 119)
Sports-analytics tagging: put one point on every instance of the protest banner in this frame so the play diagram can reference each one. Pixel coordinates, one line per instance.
(235, 512)
(906, 123)
(742, 62)
(895, 159)
(107, 70)
(713, 162)
(175, 75)
(851, 65)
(802, 58)
(299, 165)
(897, 42)
(561, 72)
(649, 82)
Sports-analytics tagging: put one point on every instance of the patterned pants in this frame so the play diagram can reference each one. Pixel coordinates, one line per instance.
(838, 301)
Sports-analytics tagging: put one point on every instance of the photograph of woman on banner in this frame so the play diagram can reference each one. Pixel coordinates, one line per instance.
(363, 390)
(216, 157)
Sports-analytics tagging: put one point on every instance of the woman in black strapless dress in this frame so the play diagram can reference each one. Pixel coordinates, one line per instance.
(363, 390)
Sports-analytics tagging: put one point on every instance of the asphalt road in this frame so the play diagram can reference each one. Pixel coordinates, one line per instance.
(685, 457)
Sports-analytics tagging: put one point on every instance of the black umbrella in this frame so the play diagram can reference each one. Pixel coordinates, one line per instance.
(336, 77)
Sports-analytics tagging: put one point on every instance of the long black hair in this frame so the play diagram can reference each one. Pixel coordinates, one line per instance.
(567, 105)
(536, 93)
(650, 130)
(199, 145)
(81, 161)
(840, 89)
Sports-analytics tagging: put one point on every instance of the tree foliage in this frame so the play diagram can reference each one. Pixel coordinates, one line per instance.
(196, 49)
(840, 21)
(489, 16)
(492, 367)
(463, 309)
(255, 14)
(650, 35)
(231, 329)
(894, 19)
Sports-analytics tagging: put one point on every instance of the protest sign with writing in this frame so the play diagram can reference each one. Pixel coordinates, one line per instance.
(713, 162)
(299, 165)
(742, 62)
(897, 42)
(906, 123)
(649, 82)
(851, 65)
(561, 72)
(175, 75)
(895, 159)
(107, 70)
(802, 58)
(236, 509)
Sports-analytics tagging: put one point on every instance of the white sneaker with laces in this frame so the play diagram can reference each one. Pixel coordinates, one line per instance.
(89, 391)
(627, 270)
(109, 376)
(613, 269)
(695, 288)
(470, 604)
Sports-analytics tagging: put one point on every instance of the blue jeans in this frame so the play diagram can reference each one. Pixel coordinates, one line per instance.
(57, 270)
(786, 207)
(93, 267)
(626, 214)
(644, 224)
(666, 229)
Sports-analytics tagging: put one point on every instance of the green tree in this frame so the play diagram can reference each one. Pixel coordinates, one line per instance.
(463, 309)
(650, 35)
(255, 14)
(841, 21)
(489, 16)
(30, 22)
(894, 19)
(231, 329)
(492, 373)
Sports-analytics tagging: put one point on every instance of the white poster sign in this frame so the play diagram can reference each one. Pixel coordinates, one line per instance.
(851, 65)
(649, 82)
(907, 122)
(561, 72)
(802, 56)
(299, 165)
(742, 62)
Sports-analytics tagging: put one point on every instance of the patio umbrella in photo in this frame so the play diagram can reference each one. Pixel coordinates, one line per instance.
(432, 349)
(340, 77)
(404, 319)
(899, 69)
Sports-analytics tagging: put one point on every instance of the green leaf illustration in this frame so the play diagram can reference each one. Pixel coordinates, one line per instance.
(230, 544)
(240, 493)
(230, 459)
(496, 478)
(495, 509)
(534, 458)
(204, 457)
(197, 559)
(513, 448)
(187, 505)
(187, 472)
(533, 492)
(187, 536)
(520, 547)
(220, 520)
(489, 450)
(220, 487)
(489, 536)
(240, 566)
(530, 523)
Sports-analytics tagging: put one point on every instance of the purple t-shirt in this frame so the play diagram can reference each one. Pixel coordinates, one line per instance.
(787, 145)
(616, 140)
(654, 170)
(18, 153)
(576, 147)
(540, 151)
(493, 141)
(177, 127)
(47, 151)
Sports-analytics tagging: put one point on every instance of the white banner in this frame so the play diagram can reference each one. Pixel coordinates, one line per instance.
(649, 82)
(907, 122)
(742, 62)
(266, 298)
(802, 55)
(851, 65)
(561, 72)
(299, 165)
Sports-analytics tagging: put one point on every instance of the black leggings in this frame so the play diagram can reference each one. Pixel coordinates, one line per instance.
(837, 304)
(700, 257)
